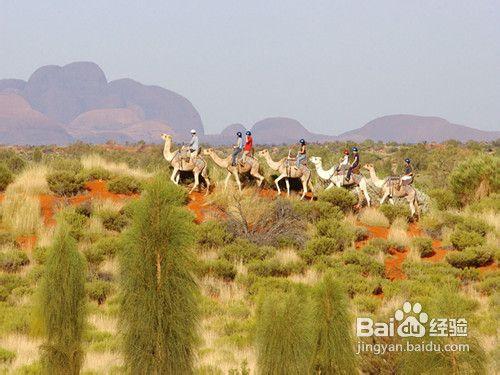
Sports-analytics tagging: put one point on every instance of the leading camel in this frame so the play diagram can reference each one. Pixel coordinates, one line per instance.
(390, 190)
(287, 171)
(180, 162)
(251, 165)
(338, 179)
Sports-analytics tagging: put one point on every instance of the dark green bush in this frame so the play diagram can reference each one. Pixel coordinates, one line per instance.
(9, 282)
(96, 173)
(213, 234)
(6, 356)
(394, 211)
(84, 208)
(470, 257)
(99, 290)
(5, 177)
(490, 284)
(75, 220)
(93, 256)
(444, 199)
(462, 239)
(124, 185)
(315, 210)
(40, 254)
(65, 183)
(361, 233)
(340, 197)
(108, 246)
(380, 243)
(472, 224)
(320, 246)
(12, 260)
(221, 268)
(423, 245)
(275, 268)
(114, 221)
(367, 264)
(246, 251)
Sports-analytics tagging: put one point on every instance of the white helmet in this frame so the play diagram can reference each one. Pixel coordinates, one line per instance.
(193, 131)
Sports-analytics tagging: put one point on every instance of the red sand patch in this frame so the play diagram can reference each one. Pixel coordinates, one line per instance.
(196, 203)
(26, 242)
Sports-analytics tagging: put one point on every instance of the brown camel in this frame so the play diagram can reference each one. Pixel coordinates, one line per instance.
(251, 166)
(180, 162)
(287, 169)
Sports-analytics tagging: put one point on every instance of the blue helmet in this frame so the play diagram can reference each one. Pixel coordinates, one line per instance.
(302, 142)
(407, 160)
(355, 149)
(239, 134)
(248, 132)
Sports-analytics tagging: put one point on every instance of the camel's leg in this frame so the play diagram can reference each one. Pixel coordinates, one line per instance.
(412, 208)
(364, 189)
(258, 176)
(391, 200)
(204, 173)
(173, 178)
(311, 187)
(287, 182)
(196, 181)
(226, 181)
(276, 182)
(178, 178)
(384, 197)
(304, 189)
(238, 182)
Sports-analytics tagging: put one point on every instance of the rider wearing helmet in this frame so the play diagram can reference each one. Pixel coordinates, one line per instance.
(194, 146)
(301, 155)
(344, 162)
(407, 177)
(248, 149)
(237, 148)
(354, 164)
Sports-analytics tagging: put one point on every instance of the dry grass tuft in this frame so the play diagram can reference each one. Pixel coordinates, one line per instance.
(222, 290)
(26, 349)
(101, 362)
(32, 181)
(398, 236)
(373, 217)
(96, 161)
(21, 213)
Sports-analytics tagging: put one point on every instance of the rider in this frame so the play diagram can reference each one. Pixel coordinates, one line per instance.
(237, 148)
(247, 150)
(407, 178)
(344, 162)
(194, 146)
(354, 164)
(301, 155)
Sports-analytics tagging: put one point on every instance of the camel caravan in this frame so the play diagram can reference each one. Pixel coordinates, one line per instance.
(243, 161)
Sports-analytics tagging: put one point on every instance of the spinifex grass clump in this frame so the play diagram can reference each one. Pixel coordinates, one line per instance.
(159, 311)
(334, 347)
(62, 306)
(284, 338)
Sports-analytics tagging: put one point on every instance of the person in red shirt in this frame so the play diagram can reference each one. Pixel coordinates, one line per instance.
(247, 150)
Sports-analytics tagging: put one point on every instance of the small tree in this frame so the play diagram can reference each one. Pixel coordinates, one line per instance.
(334, 353)
(159, 310)
(62, 305)
(283, 333)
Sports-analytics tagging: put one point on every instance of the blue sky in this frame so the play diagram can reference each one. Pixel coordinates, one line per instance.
(332, 65)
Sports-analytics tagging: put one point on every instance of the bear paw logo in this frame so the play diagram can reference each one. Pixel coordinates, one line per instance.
(411, 326)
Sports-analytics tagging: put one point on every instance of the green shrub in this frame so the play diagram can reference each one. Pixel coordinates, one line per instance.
(9, 282)
(6, 356)
(75, 220)
(99, 290)
(468, 275)
(114, 221)
(444, 199)
(12, 260)
(470, 257)
(5, 177)
(361, 233)
(320, 246)
(275, 268)
(472, 224)
(423, 245)
(340, 197)
(64, 164)
(245, 251)
(219, 268)
(96, 173)
(380, 243)
(84, 208)
(40, 254)
(108, 246)
(93, 256)
(491, 203)
(490, 284)
(124, 185)
(367, 265)
(213, 234)
(393, 211)
(6, 238)
(315, 210)
(475, 177)
(462, 239)
(65, 183)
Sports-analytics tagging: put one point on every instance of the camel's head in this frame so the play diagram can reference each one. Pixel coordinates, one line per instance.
(263, 152)
(315, 159)
(368, 166)
(207, 151)
(166, 137)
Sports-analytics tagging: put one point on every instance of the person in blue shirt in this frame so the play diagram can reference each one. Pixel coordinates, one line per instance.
(407, 177)
(237, 148)
(354, 164)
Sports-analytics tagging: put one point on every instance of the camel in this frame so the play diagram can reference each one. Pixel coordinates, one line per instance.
(338, 179)
(178, 162)
(390, 190)
(288, 171)
(251, 166)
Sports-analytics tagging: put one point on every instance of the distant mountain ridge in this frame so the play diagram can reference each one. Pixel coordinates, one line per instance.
(63, 104)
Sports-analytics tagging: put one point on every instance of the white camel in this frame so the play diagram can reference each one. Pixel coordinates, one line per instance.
(180, 162)
(250, 166)
(289, 170)
(335, 179)
(391, 190)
